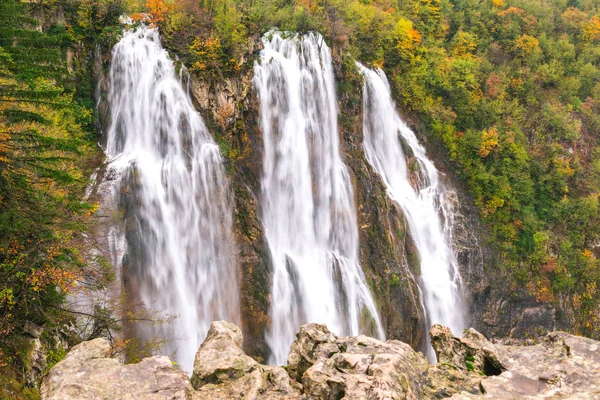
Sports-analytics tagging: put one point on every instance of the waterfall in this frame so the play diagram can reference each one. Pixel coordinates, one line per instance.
(412, 181)
(307, 205)
(170, 186)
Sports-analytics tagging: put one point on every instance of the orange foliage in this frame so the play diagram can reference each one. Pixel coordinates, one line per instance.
(550, 266)
(158, 10)
(587, 254)
(407, 37)
(51, 275)
(511, 11)
(526, 22)
(574, 16)
(118, 346)
(541, 290)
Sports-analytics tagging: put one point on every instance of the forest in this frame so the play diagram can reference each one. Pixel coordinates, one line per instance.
(509, 89)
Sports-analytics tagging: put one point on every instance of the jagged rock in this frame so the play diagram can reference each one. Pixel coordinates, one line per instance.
(220, 359)
(472, 352)
(87, 372)
(324, 366)
(33, 329)
(223, 371)
(312, 342)
(36, 364)
(354, 367)
(563, 366)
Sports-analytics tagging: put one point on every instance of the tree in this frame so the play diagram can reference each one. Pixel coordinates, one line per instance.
(41, 140)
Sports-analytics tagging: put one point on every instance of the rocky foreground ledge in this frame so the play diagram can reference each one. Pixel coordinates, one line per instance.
(324, 366)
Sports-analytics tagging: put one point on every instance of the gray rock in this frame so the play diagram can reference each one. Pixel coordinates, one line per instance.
(355, 367)
(87, 372)
(33, 329)
(36, 364)
(223, 371)
(472, 352)
(324, 366)
(312, 342)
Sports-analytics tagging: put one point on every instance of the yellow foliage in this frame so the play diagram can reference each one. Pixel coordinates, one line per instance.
(590, 30)
(563, 165)
(407, 38)
(527, 46)
(498, 3)
(464, 43)
(206, 51)
(492, 205)
(590, 290)
(489, 142)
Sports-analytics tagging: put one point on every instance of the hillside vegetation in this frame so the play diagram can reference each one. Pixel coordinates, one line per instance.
(47, 153)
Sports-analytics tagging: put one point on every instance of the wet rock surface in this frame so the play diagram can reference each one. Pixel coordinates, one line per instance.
(324, 366)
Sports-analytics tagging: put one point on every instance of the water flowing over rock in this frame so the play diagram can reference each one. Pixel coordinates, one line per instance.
(167, 177)
(307, 205)
(413, 182)
(322, 365)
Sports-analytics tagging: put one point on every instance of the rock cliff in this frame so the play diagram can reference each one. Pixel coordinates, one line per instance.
(324, 366)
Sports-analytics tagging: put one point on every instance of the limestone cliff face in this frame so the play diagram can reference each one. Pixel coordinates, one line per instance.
(324, 366)
(388, 256)
(230, 109)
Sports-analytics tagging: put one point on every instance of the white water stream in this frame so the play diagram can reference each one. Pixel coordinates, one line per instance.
(173, 192)
(420, 194)
(307, 205)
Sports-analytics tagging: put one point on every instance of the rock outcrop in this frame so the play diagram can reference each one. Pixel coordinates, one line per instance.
(223, 371)
(324, 366)
(88, 372)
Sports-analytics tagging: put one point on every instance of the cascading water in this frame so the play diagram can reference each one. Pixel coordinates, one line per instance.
(172, 189)
(307, 200)
(421, 197)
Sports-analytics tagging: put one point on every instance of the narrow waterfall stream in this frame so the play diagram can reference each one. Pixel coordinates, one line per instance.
(307, 198)
(170, 185)
(412, 181)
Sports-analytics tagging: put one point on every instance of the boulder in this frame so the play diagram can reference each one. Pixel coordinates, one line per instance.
(361, 367)
(88, 372)
(312, 342)
(223, 371)
(471, 352)
(563, 366)
(322, 365)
